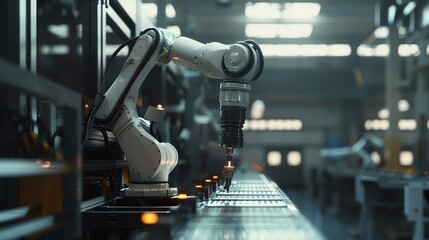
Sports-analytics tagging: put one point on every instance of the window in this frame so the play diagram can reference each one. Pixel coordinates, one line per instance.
(274, 158)
(294, 158)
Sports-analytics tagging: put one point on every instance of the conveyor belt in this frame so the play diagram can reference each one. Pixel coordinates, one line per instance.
(255, 208)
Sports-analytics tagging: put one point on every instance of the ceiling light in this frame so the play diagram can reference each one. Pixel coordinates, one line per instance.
(306, 50)
(365, 51)
(381, 32)
(301, 10)
(282, 11)
(339, 50)
(409, 7)
(407, 124)
(391, 14)
(278, 30)
(381, 50)
(406, 50)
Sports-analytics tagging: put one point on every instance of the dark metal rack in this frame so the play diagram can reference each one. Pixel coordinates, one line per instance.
(13, 222)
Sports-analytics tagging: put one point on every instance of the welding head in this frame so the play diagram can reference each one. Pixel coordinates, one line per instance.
(234, 99)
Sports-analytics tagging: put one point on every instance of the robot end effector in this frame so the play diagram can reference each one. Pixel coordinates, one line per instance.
(234, 98)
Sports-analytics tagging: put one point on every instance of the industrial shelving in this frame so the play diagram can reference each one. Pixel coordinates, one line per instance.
(15, 222)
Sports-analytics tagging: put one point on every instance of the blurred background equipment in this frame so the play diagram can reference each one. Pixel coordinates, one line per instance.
(332, 144)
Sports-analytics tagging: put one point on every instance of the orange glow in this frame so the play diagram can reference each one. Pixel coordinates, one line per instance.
(46, 164)
(175, 58)
(215, 177)
(38, 161)
(182, 196)
(208, 180)
(198, 186)
(86, 105)
(149, 218)
(159, 106)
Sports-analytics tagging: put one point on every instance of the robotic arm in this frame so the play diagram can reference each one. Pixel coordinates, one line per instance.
(150, 161)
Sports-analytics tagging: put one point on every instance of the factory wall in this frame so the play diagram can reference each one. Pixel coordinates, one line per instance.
(320, 125)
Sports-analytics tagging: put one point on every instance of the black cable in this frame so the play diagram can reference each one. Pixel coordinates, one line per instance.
(100, 96)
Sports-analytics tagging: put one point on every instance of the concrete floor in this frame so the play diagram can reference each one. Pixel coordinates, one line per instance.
(332, 225)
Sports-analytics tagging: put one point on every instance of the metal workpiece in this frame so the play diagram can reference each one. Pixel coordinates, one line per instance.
(254, 208)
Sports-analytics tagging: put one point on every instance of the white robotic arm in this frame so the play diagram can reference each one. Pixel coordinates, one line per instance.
(150, 161)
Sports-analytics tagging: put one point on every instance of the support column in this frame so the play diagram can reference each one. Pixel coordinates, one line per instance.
(393, 146)
(421, 161)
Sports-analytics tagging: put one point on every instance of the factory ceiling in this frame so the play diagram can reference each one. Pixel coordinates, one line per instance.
(309, 72)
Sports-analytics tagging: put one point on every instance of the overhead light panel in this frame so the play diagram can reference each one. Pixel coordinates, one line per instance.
(382, 50)
(151, 10)
(278, 30)
(282, 11)
(306, 50)
(409, 8)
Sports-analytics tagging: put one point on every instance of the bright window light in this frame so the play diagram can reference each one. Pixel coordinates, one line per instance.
(60, 30)
(294, 158)
(170, 12)
(274, 158)
(381, 50)
(282, 11)
(129, 7)
(407, 124)
(278, 30)
(150, 9)
(375, 157)
(54, 49)
(383, 113)
(365, 51)
(406, 158)
(306, 50)
(391, 13)
(409, 7)
(339, 50)
(257, 110)
(381, 32)
(403, 105)
(406, 50)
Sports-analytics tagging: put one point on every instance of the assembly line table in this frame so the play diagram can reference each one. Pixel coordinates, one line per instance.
(255, 208)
